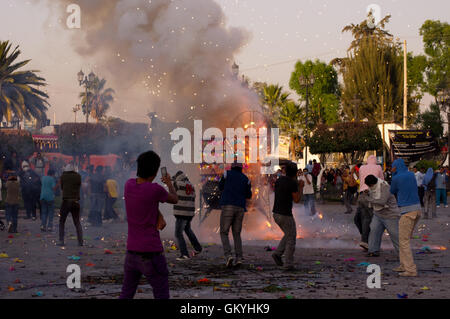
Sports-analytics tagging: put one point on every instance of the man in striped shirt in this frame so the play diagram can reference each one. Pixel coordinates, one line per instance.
(184, 212)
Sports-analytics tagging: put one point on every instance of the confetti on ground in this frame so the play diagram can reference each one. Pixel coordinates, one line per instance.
(425, 288)
(349, 259)
(365, 264)
(11, 288)
(75, 258)
(203, 281)
(402, 296)
(17, 260)
(3, 255)
(90, 265)
(108, 252)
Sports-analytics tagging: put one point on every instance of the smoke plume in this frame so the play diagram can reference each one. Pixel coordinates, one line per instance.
(174, 56)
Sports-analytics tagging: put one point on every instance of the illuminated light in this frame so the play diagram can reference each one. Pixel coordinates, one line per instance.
(269, 224)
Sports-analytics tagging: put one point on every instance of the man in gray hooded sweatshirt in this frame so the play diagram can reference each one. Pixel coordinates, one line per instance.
(386, 214)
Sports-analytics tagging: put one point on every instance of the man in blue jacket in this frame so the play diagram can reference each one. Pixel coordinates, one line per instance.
(404, 187)
(236, 189)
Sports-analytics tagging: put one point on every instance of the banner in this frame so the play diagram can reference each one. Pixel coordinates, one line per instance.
(411, 144)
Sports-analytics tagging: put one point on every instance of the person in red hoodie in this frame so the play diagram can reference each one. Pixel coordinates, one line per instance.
(364, 213)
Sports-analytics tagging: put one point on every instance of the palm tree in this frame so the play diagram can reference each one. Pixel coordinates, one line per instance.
(18, 93)
(100, 99)
(289, 121)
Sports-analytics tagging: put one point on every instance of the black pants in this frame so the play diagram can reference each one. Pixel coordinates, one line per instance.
(70, 206)
(30, 202)
(421, 195)
(109, 210)
(363, 217)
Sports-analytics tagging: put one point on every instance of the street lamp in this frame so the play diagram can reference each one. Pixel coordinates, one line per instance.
(356, 101)
(87, 81)
(443, 98)
(15, 122)
(306, 82)
(235, 70)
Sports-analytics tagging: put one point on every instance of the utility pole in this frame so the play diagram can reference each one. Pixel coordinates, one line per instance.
(405, 91)
(384, 135)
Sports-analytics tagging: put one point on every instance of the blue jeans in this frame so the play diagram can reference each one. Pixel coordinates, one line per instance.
(47, 213)
(183, 224)
(97, 201)
(11, 212)
(377, 227)
(310, 204)
(441, 192)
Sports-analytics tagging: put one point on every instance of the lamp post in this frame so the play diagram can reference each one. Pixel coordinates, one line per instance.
(444, 100)
(356, 102)
(15, 122)
(87, 81)
(75, 111)
(235, 70)
(306, 82)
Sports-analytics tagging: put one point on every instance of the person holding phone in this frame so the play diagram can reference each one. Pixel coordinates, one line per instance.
(145, 252)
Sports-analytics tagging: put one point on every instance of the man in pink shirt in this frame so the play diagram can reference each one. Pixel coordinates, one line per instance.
(364, 213)
(145, 252)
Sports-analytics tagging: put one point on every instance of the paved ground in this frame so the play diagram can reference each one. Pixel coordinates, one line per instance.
(328, 259)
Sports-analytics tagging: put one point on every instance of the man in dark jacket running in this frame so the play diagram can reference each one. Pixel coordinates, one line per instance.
(236, 189)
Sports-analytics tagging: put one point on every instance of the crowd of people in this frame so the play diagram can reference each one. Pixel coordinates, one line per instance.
(39, 183)
(391, 201)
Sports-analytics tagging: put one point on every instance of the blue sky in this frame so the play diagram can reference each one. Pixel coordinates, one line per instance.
(283, 32)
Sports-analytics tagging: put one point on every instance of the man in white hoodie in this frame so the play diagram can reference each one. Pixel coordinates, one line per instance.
(386, 214)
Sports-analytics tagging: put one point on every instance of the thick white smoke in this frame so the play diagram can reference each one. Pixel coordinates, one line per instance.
(174, 56)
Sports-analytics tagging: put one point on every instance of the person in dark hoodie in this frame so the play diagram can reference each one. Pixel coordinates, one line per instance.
(30, 184)
(404, 187)
(70, 186)
(236, 189)
(429, 198)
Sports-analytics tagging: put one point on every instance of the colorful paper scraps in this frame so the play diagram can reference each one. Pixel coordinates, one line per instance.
(402, 296)
(75, 258)
(108, 252)
(11, 236)
(225, 285)
(425, 288)
(4, 255)
(39, 294)
(350, 259)
(259, 268)
(318, 262)
(204, 281)
(17, 260)
(90, 265)
(12, 268)
(364, 264)
(11, 288)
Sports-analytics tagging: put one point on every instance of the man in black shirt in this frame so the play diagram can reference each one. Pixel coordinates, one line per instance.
(287, 190)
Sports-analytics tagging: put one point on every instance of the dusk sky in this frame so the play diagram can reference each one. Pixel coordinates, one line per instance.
(282, 31)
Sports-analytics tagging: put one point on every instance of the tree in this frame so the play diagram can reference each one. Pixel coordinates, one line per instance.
(18, 93)
(77, 139)
(272, 98)
(436, 39)
(431, 120)
(100, 99)
(352, 139)
(289, 120)
(323, 95)
(20, 142)
(373, 75)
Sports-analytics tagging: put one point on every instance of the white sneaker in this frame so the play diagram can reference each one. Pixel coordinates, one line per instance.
(364, 246)
(446, 206)
(438, 206)
(183, 258)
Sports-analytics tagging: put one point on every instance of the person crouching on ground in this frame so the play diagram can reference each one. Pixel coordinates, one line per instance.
(236, 189)
(70, 185)
(364, 213)
(145, 252)
(404, 186)
(385, 214)
(184, 212)
(287, 190)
